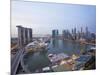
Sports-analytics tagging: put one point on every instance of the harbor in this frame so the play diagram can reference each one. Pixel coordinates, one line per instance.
(59, 59)
(52, 37)
(56, 53)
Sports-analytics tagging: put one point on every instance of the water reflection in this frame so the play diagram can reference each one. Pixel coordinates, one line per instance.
(67, 46)
(37, 61)
(55, 43)
(40, 59)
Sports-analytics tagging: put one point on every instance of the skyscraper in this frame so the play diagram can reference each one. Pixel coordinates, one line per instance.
(30, 34)
(29, 30)
(55, 33)
(75, 34)
(87, 31)
(87, 34)
(20, 36)
(24, 36)
(81, 34)
(65, 34)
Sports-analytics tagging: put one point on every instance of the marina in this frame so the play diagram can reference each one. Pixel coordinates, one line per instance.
(59, 61)
(52, 37)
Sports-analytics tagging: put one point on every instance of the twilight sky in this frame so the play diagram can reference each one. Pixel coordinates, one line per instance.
(43, 17)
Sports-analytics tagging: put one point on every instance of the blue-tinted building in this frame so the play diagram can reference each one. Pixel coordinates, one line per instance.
(55, 33)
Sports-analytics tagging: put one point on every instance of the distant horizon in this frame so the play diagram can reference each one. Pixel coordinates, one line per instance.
(38, 35)
(44, 17)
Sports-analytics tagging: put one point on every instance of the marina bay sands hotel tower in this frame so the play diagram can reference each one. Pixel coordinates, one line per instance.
(24, 36)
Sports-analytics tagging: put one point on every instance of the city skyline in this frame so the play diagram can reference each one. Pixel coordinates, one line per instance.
(44, 17)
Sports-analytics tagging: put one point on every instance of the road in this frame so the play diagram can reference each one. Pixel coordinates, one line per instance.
(15, 61)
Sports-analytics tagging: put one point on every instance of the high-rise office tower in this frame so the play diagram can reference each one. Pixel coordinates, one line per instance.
(72, 31)
(65, 34)
(81, 34)
(87, 34)
(78, 35)
(93, 36)
(87, 31)
(55, 33)
(75, 34)
(81, 30)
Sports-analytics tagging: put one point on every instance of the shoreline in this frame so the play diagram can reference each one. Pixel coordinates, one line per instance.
(81, 42)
